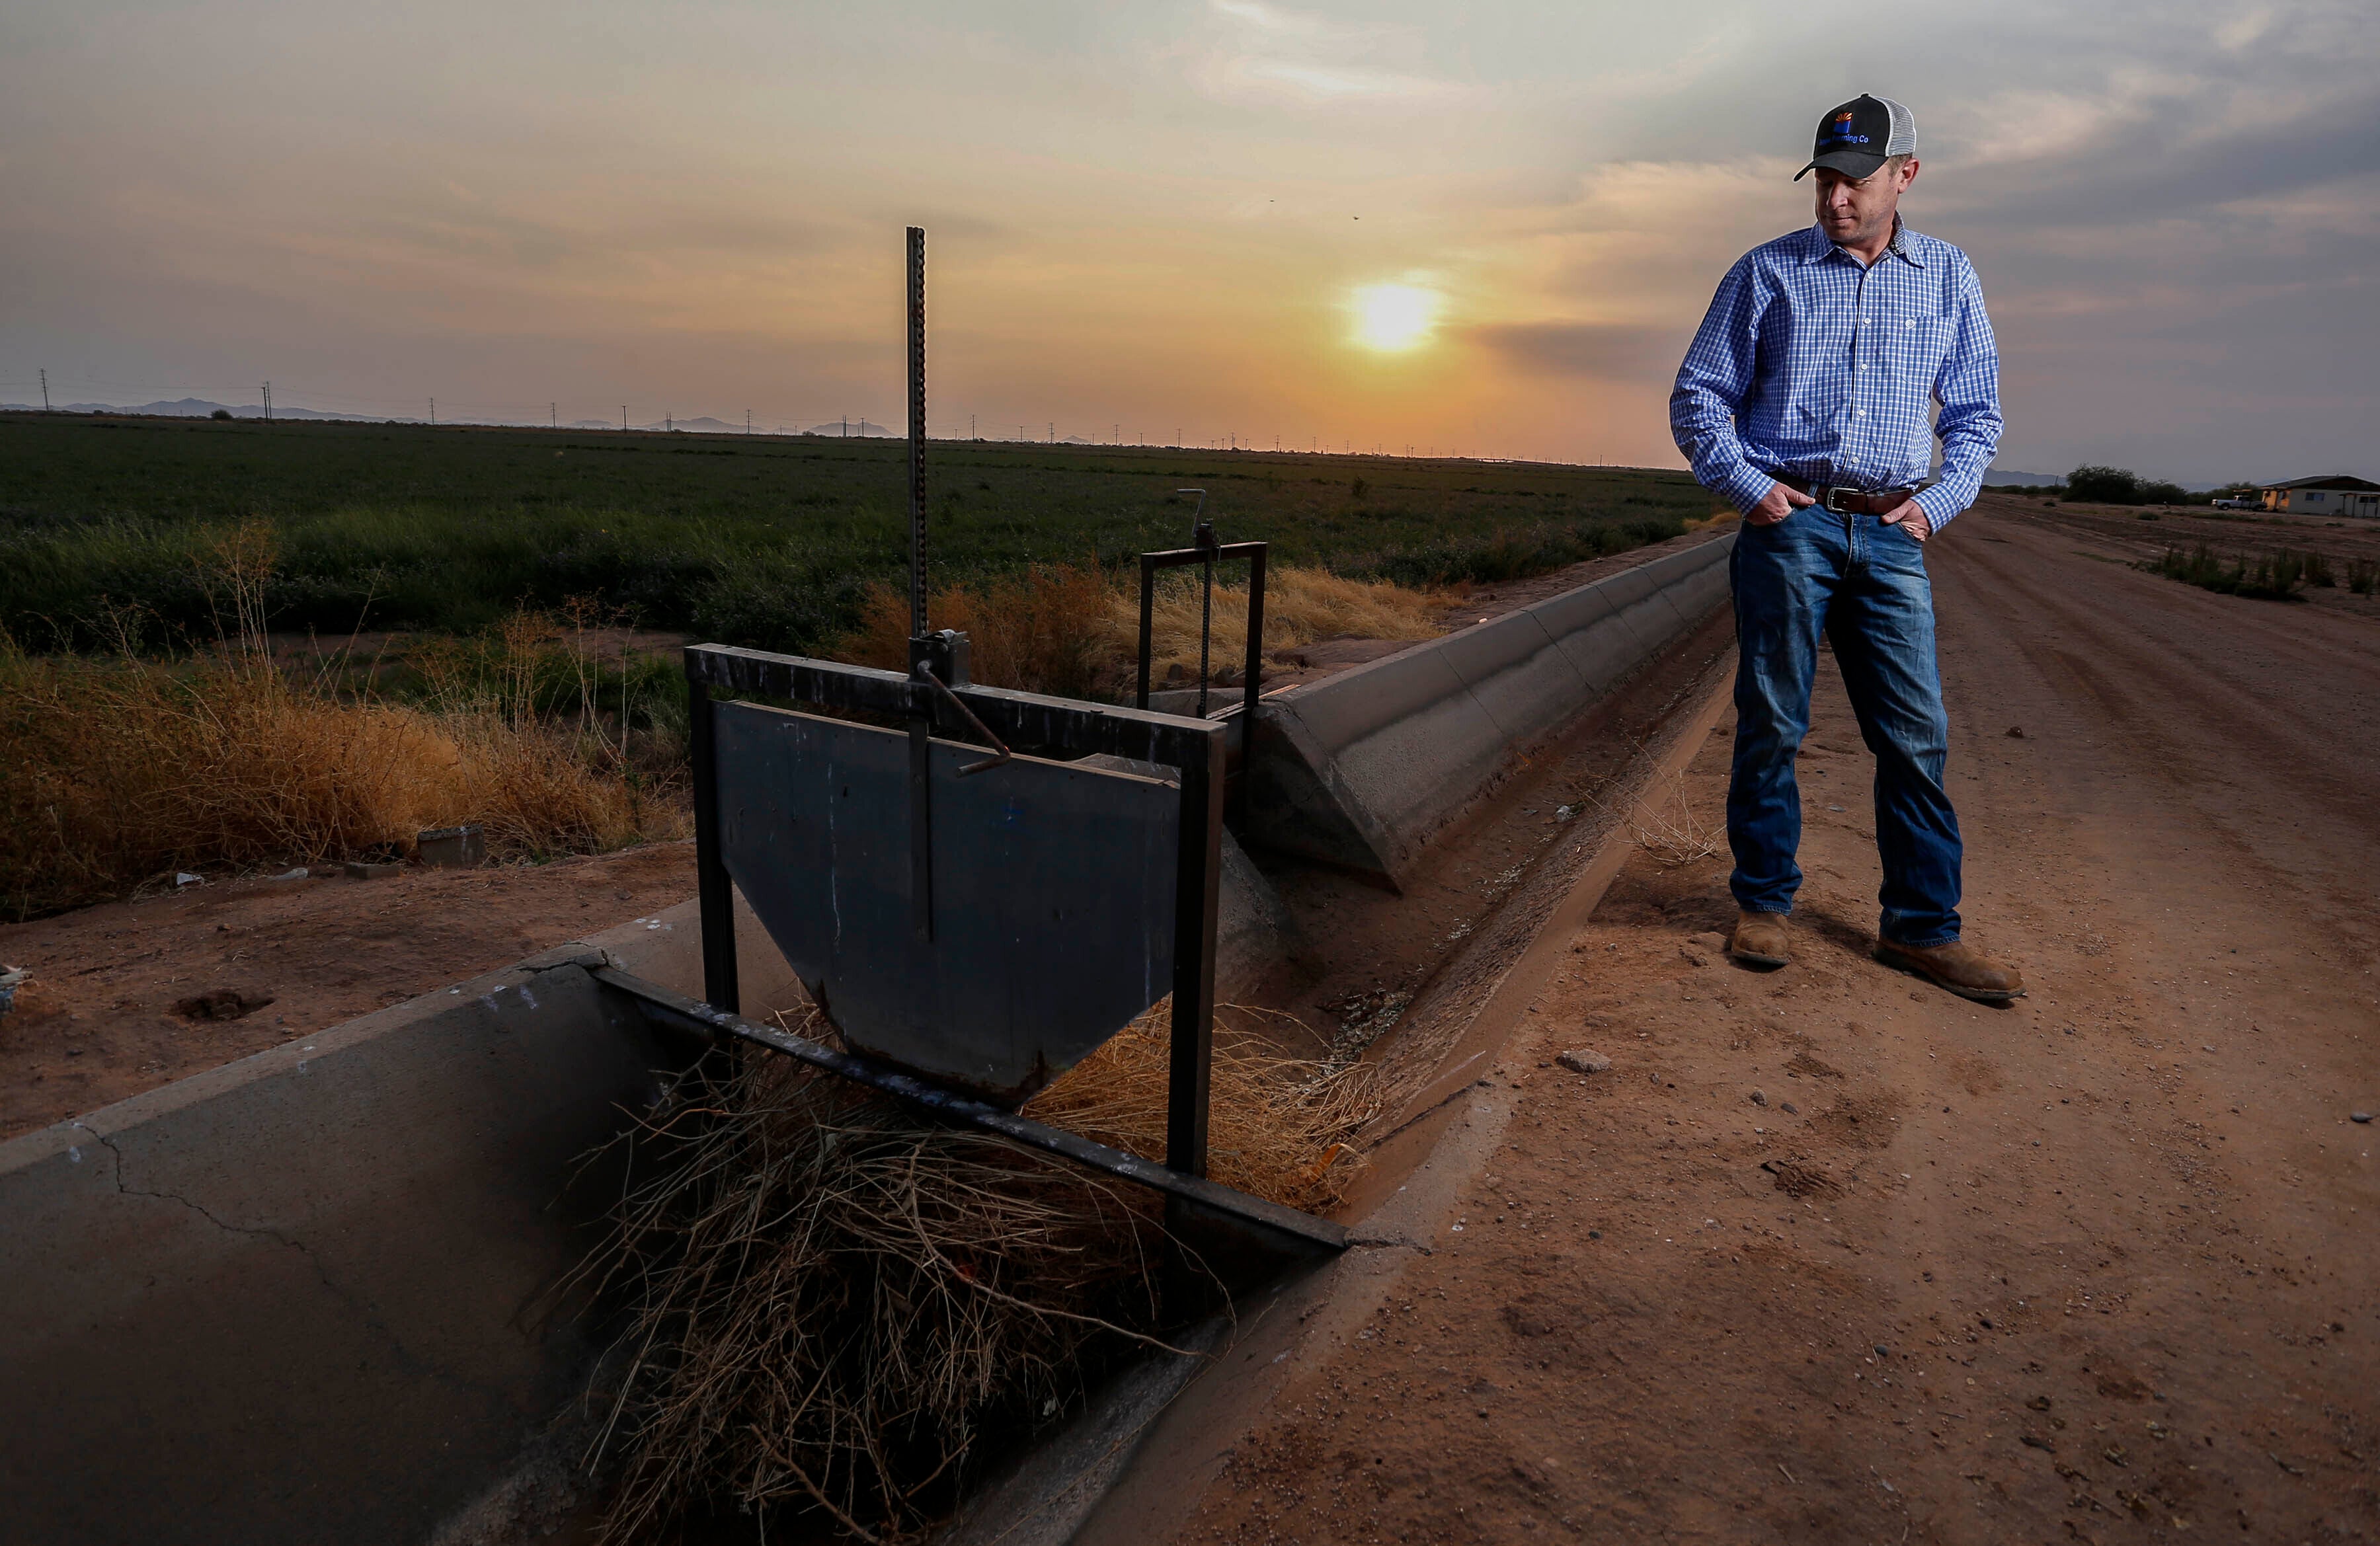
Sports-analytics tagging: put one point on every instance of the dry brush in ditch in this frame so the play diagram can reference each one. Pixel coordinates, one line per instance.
(838, 1312)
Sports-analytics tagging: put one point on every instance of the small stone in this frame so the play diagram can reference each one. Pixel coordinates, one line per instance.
(1882, 1351)
(1790, 1109)
(1694, 956)
(2359, 1115)
(2016, 732)
(1711, 940)
(1760, 1097)
(1583, 1061)
(364, 869)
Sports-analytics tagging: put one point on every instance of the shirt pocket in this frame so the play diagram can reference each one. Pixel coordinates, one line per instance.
(1921, 342)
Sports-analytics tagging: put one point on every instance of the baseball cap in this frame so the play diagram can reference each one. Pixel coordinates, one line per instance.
(1855, 138)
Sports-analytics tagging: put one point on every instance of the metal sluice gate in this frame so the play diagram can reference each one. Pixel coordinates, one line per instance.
(972, 926)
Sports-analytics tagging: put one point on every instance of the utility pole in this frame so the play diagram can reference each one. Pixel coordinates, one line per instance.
(668, 424)
(268, 402)
(624, 418)
(1118, 430)
(971, 434)
(1054, 431)
(45, 389)
(433, 412)
(748, 421)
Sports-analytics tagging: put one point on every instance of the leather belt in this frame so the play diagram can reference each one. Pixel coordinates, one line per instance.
(1851, 501)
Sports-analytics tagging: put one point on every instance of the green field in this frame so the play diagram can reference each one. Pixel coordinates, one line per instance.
(759, 540)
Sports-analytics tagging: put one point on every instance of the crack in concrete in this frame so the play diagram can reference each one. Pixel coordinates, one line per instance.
(363, 1313)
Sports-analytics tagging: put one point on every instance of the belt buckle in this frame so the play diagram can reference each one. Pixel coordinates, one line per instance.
(1834, 494)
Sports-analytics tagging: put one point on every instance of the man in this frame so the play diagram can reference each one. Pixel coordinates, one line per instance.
(1804, 401)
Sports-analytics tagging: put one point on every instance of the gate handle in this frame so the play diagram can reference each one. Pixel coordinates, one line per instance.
(925, 672)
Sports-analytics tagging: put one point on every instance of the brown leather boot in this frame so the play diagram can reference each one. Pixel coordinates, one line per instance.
(1958, 966)
(1759, 939)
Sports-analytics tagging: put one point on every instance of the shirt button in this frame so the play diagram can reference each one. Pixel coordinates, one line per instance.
(1859, 412)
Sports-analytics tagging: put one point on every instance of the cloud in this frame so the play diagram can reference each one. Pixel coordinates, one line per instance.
(1598, 351)
(1261, 53)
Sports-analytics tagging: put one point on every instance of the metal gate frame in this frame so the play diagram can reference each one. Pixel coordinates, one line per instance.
(1194, 748)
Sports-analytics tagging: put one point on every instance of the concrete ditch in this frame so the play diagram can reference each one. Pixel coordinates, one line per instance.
(1360, 770)
(303, 1296)
(298, 1298)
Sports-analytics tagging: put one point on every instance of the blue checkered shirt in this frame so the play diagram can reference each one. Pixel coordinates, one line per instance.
(1810, 365)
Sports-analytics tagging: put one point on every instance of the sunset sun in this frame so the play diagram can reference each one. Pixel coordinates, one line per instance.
(1392, 317)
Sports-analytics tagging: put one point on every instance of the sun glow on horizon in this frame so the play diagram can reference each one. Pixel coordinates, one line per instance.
(1392, 317)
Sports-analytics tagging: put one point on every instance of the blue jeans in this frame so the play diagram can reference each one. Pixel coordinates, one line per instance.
(1862, 584)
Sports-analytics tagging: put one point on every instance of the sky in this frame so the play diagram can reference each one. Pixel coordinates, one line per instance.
(1487, 229)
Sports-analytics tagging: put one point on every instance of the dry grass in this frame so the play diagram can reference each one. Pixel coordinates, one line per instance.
(1043, 630)
(122, 769)
(1660, 819)
(1664, 824)
(1277, 1127)
(834, 1306)
(1068, 630)
(1301, 606)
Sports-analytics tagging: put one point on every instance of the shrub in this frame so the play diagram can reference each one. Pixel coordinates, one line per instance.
(1046, 630)
(2266, 576)
(124, 769)
(1068, 631)
(2362, 577)
(2098, 485)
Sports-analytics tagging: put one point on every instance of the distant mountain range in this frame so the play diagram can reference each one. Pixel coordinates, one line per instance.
(194, 407)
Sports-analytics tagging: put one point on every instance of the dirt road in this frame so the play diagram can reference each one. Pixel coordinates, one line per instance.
(1828, 1255)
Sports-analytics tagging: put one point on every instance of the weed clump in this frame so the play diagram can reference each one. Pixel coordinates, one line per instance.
(125, 767)
(2276, 576)
(838, 1312)
(1069, 631)
(1042, 630)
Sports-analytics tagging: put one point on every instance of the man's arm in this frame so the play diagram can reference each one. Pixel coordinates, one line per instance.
(1969, 390)
(1712, 384)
